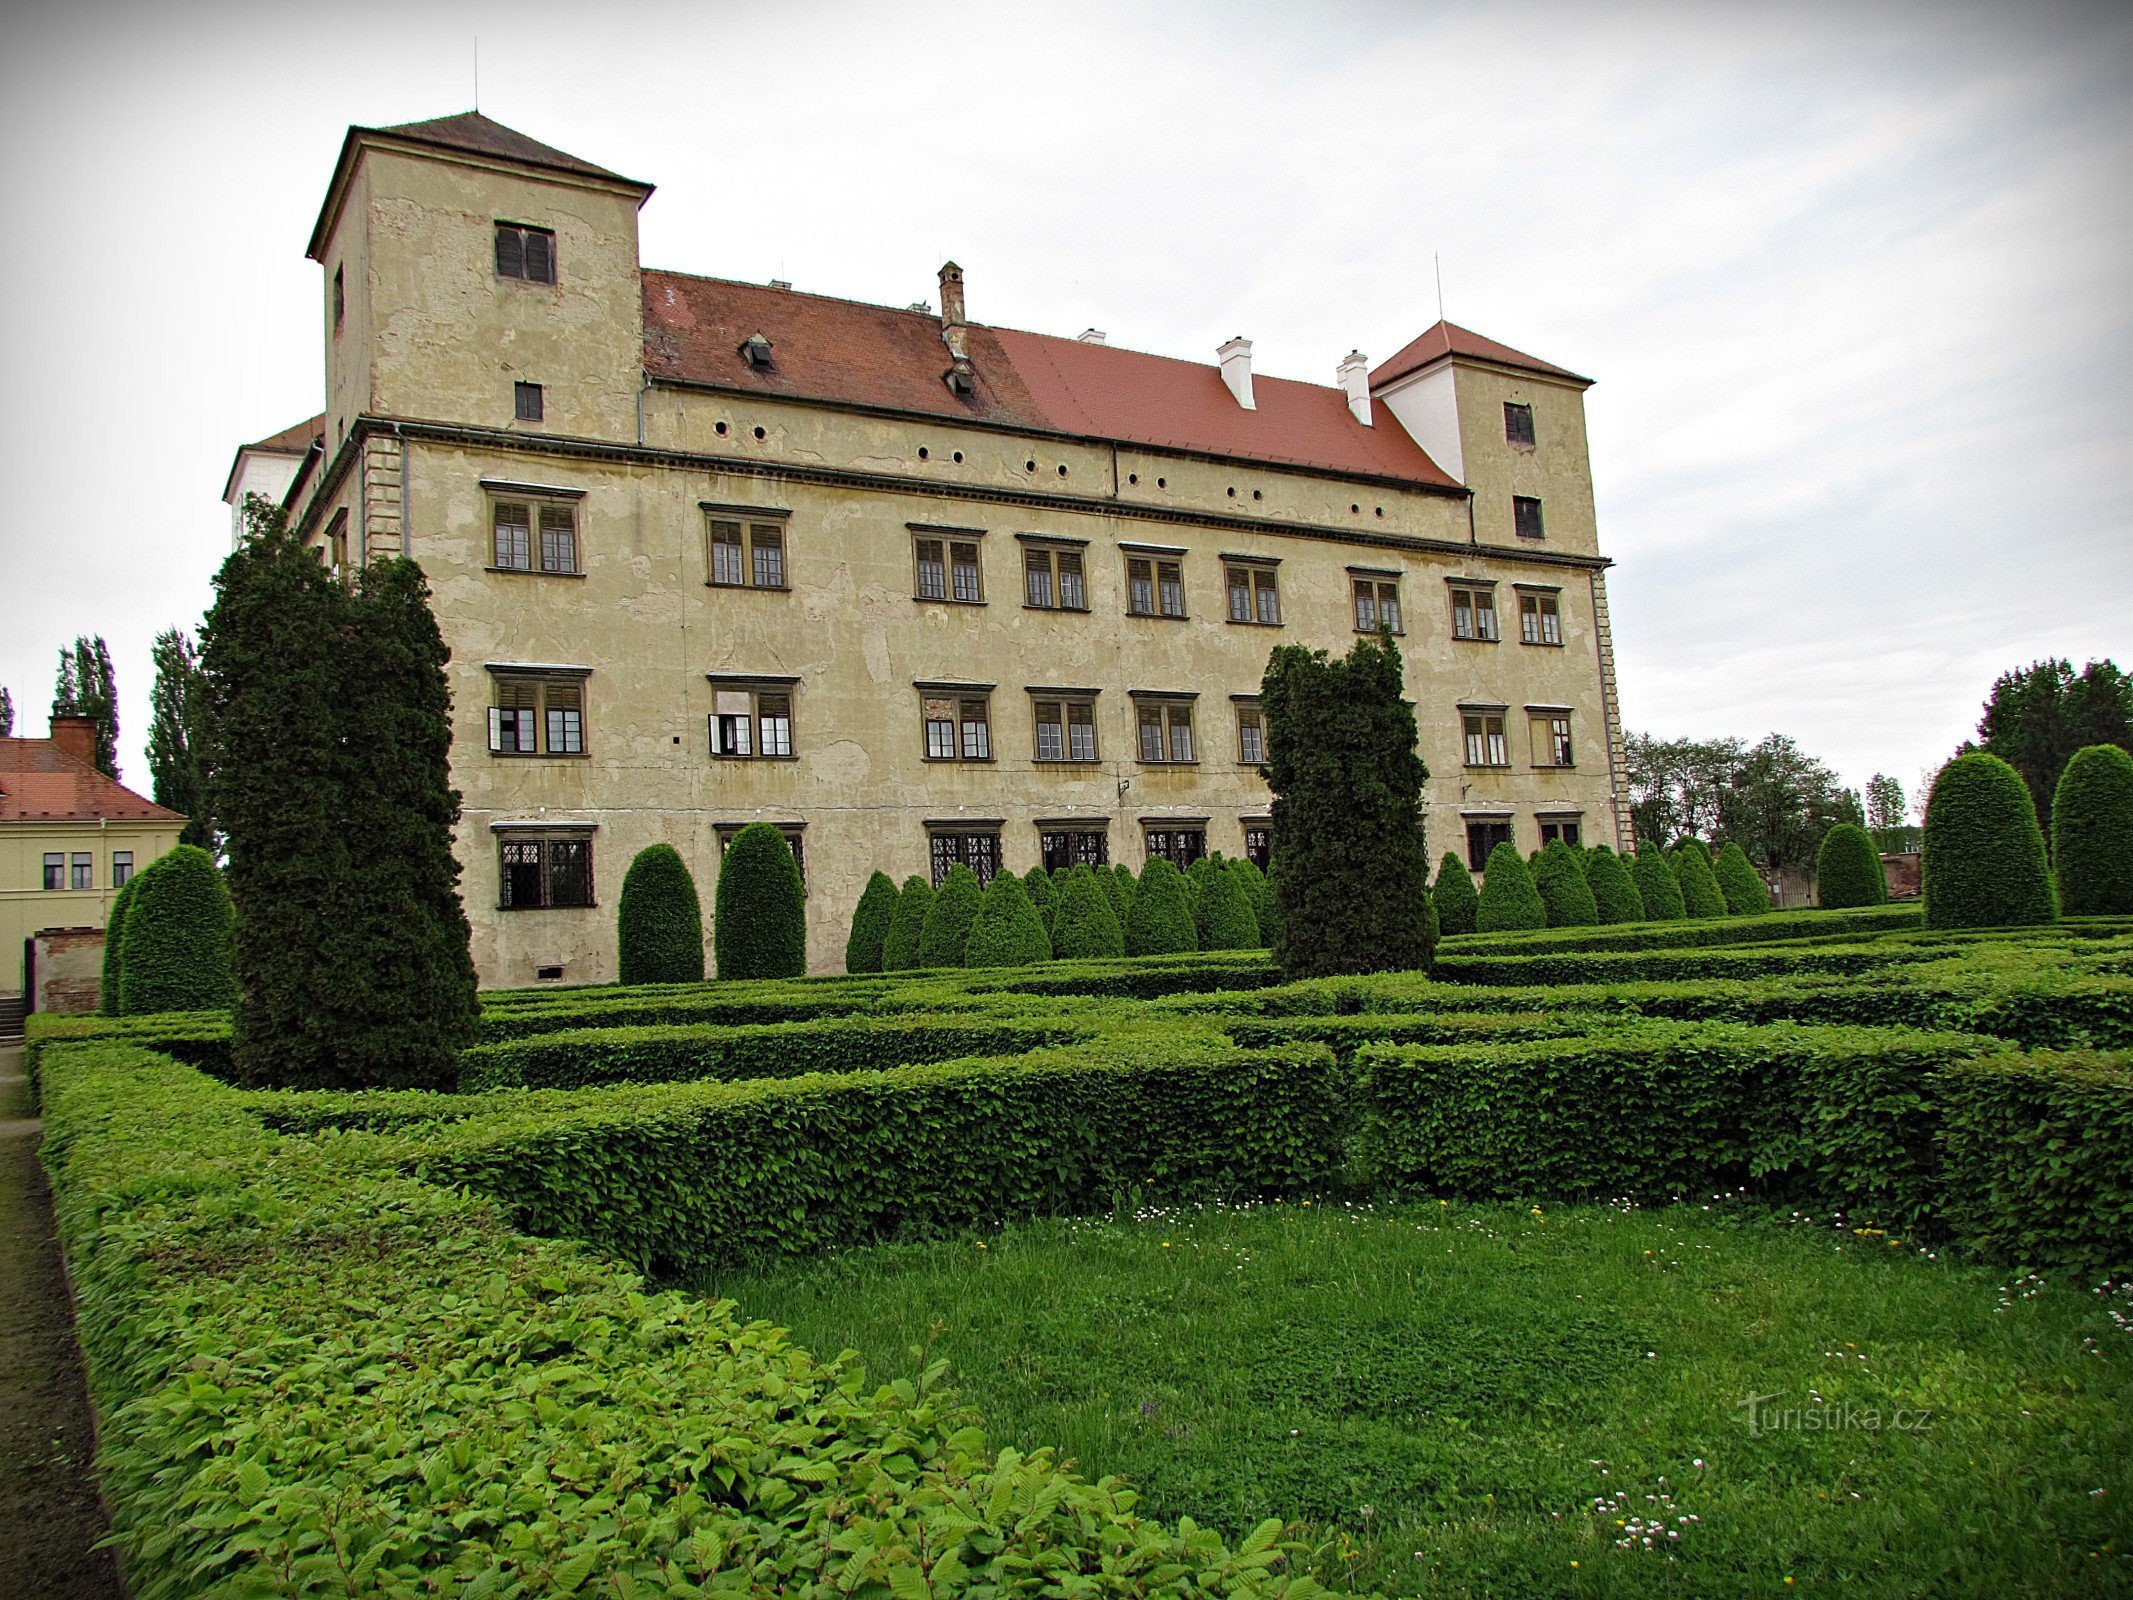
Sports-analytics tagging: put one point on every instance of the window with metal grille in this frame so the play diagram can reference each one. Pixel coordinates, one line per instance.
(1518, 422)
(1473, 613)
(1165, 730)
(1259, 845)
(1539, 619)
(980, 852)
(526, 402)
(1052, 579)
(1064, 848)
(1526, 516)
(1484, 739)
(1481, 838)
(1551, 739)
(531, 715)
(1066, 730)
(1377, 605)
(525, 253)
(1179, 846)
(1254, 595)
(958, 728)
(1251, 735)
(544, 872)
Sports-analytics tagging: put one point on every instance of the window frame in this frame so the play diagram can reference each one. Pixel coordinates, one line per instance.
(1540, 613)
(758, 688)
(1260, 589)
(960, 836)
(1520, 504)
(1552, 725)
(963, 696)
(122, 868)
(1492, 831)
(1164, 582)
(1380, 583)
(541, 504)
(1568, 827)
(522, 233)
(54, 876)
(1057, 853)
(566, 683)
(1173, 831)
(1496, 740)
(760, 528)
(529, 401)
(1480, 595)
(953, 542)
(1512, 411)
(1249, 716)
(1259, 841)
(1068, 701)
(550, 872)
(1052, 555)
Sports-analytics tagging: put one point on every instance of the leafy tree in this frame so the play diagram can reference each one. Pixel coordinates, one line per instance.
(1223, 916)
(2037, 717)
(946, 935)
(1509, 901)
(1984, 853)
(1268, 908)
(759, 912)
(1658, 885)
(1699, 885)
(7, 714)
(177, 705)
(1084, 925)
(1347, 783)
(659, 922)
(88, 687)
(1453, 896)
(2092, 833)
(114, 946)
(863, 949)
(1559, 878)
(1886, 806)
(899, 946)
(1006, 931)
(1745, 893)
(1039, 884)
(1779, 801)
(1848, 870)
(176, 950)
(1677, 785)
(1614, 892)
(1159, 922)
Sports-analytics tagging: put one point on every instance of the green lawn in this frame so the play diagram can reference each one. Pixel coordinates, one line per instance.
(1484, 1400)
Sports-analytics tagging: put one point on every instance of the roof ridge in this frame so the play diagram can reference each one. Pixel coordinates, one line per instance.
(809, 294)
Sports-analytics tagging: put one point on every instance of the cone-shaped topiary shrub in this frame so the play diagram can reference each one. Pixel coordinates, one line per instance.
(1123, 887)
(1454, 896)
(1983, 862)
(1084, 925)
(1560, 878)
(1039, 884)
(1256, 892)
(659, 923)
(2092, 833)
(1658, 888)
(1268, 909)
(1699, 884)
(114, 946)
(1006, 931)
(899, 946)
(870, 925)
(1746, 894)
(176, 950)
(1508, 901)
(945, 939)
(1848, 869)
(1159, 922)
(1614, 892)
(1223, 918)
(759, 924)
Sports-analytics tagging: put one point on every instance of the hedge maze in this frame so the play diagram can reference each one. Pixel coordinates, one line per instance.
(416, 1342)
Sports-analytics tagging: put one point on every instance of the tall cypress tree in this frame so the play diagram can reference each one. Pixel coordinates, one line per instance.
(87, 686)
(1347, 782)
(7, 714)
(176, 705)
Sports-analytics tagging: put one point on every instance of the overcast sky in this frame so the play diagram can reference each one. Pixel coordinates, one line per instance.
(1854, 280)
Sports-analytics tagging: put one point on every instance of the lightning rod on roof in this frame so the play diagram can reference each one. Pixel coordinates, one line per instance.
(1438, 262)
(477, 74)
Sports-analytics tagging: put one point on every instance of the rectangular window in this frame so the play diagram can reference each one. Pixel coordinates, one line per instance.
(948, 569)
(559, 538)
(1481, 838)
(340, 296)
(121, 868)
(514, 536)
(1254, 595)
(1484, 739)
(1154, 588)
(958, 728)
(965, 574)
(1074, 847)
(513, 547)
(1518, 423)
(1551, 739)
(767, 548)
(1259, 845)
(794, 838)
(1473, 613)
(83, 870)
(1251, 736)
(1066, 730)
(980, 852)
(1165, 730)
(536, 716)
(1053, 579)
(1180, 846)
(526, 402)
(527, 253)
(1526, 516)
(1377, 604)
(55, 869)
(545, 872)
(1539, 619)
(565, 706)
(750, 722)
(932, 570)
(1563, 828)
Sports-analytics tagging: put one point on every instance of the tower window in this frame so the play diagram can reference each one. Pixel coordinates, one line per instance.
(1518, 423)
(1526, 516)
(526, 401)
(340, 296)
(525, 253)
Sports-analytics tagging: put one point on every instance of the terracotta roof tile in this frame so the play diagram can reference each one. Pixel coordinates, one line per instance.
(291, 441)
(1448, 338)
(39, 782)
(478, 135)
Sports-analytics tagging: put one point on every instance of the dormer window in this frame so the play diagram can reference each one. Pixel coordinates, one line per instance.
(525, 253)
(757, 351)
(961, 380)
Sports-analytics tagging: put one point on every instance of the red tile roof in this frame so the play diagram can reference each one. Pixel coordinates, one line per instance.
(857, 354)
(291, 441)
(39, 782)
(1448, 339)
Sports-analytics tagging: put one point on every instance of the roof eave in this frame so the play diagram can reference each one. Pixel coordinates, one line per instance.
(1561, 375)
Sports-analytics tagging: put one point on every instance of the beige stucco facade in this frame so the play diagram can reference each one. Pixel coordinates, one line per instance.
(99, 850)
(421, 445)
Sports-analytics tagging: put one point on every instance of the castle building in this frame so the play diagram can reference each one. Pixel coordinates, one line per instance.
(917, 589)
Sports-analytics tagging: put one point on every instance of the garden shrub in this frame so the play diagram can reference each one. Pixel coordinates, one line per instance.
(1848, 870)
(176, 955)
(659, 924)
(945, 938)
(1745, 893)
(1039, 884)
(1266, 905)
(1257, 893)
(1084, 925)
(1699, 885)
(1007, 931)
(1658, 885)
(732, 1004)
(1983, 863)
(1630, 966)
(1159, 922)
(1773, 926)
(1124, 888)
(1146, 977)
(900, 945)
(2092, 833)
(1559, 878)
(1614, 892)
(1223, 918)
(114, 946)
(1454, 897)
(1508, 899)
(759, 928)
(864, 946)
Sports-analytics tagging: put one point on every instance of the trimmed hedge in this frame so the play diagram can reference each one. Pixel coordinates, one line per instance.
(1084, 925)
(1773, 925)
(1559, 878)
(1745, 892)
(1983, 863)
(759, 929)
(1007, 932)
(907, 927)
(1848, 870)
(1700, 896)
(176, 954)
(1454, 897)
(2092, 833)
(107, 994)
(1223, 917)
(1614, 892)
(1658, 885)
(1041, 894)
(659, 923)
(1159, 921)
(863, 946)
(1508, 900)
(1605, 966)
(945, 938)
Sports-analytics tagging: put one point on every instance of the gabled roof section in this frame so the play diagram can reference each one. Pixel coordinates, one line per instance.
(847, 352)
(293, 441)
(39, 782)
(1449, 339)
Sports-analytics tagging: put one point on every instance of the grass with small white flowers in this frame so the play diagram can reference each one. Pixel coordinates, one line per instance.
(1469, 1400)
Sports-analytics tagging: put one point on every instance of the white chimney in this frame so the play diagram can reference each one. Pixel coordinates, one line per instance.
(1236, 359)
(1091, 336)
(1353, 374)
